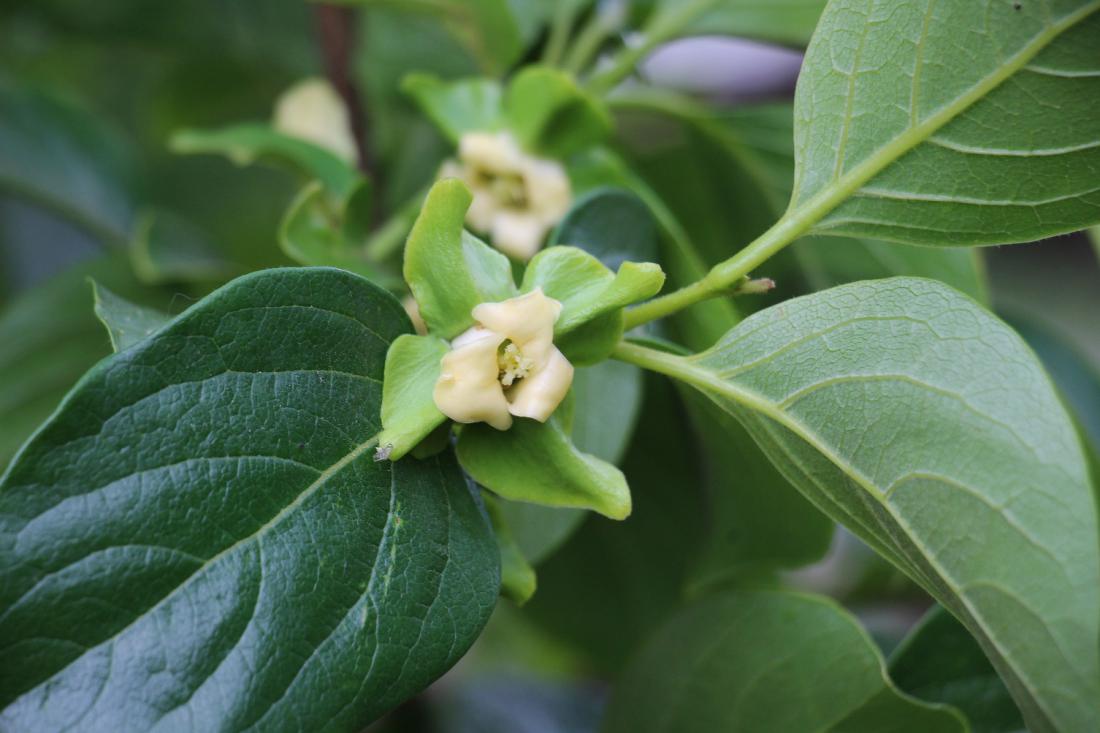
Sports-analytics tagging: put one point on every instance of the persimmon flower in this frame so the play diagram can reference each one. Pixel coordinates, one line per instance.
(517, 197)
(506, 365)
(311, 110)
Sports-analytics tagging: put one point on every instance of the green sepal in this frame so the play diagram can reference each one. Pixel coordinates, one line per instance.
(538, 463)
(517, 578)
(316, 233)
(409, 413)
(550, 115)
(448, 269)
(244, 144)
(592, 297)
(457, 107)
(127, 323)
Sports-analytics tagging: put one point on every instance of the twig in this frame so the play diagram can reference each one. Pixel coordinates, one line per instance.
(336, 36)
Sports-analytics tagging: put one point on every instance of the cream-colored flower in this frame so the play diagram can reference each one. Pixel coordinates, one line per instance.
(506, 365)
(517, 197)
(311, 110)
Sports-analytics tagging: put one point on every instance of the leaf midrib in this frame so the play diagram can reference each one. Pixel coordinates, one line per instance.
(802, 217)
(707, 381)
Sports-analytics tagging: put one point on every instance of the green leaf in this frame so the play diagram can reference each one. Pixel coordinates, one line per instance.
(486, 28)
(782, 21)
(923, 423)
(409, 413)
(245, 144)
(590, 294)
(611, 224)
(613, 583)
(457, 107)
(207, 500)
(766, 660)
(759, 522)
(51, 336)
(167, 248)
(311, 233)
(127, 323)
(536, 462)
(949, 123)
(551, 115)
(60, 156)
(517, 577)
(448, 269)
(731, 178)
(940, 662)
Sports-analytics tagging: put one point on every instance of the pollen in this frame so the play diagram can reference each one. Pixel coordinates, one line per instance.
(512, 363)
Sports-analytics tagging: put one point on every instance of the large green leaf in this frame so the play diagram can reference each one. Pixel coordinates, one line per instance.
(766, 661)
(940, 662)
(907, 412)
(200, 536)
(949, 123)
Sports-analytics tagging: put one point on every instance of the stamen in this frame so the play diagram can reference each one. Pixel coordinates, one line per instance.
(512, 364)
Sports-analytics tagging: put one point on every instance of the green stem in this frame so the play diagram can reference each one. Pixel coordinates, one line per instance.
(725, 275)
(588, 42)
(560, 26)
(663, 27)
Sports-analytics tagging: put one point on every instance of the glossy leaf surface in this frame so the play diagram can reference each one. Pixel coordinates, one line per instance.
(200, 537)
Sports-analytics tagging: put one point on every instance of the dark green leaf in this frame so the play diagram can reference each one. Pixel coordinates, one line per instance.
(940, 662)
(766, 661)
(517, 577)
(207, 502)
(611, 224)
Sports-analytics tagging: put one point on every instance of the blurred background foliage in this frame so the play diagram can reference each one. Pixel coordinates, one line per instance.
(90, 187)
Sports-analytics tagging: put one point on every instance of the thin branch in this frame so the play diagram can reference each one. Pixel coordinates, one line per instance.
(336, 35)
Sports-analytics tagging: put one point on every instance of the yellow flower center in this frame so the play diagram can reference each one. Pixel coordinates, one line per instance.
(512, 364)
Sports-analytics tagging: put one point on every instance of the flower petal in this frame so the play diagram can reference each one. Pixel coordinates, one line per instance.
(538, 395)
(527, 320)
(468, 390)
(517, 233)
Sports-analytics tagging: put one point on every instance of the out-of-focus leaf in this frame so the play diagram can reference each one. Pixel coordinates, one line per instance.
(612, 583)
(611, 224)
(940, 662)
(127, 323)
(517, 577)
(486, 28)
(746, 155)
(51, 336)
(931, 124)
(221, 465)
(60, 156)
(766, 660)
(553, 116)
(866, 398)
(167, 248)
(247, 143)
(314, 233)
(781, 21)
(457, 107)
